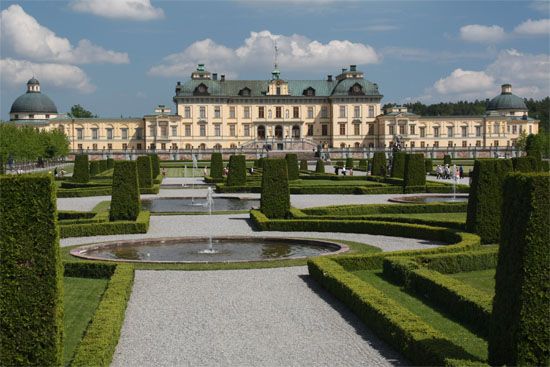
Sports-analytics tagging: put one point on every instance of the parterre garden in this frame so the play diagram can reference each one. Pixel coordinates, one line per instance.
(437, 307)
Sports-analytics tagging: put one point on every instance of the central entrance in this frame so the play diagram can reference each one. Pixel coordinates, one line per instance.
(296, 132)
(261, 132)
(278, 132)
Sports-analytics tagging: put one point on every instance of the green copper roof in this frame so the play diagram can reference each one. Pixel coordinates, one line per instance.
(506, 101)
(33, 102)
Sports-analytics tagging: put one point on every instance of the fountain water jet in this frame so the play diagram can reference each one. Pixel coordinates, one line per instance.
(208, 203)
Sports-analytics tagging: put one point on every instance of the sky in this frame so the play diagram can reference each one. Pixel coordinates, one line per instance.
(123, 57)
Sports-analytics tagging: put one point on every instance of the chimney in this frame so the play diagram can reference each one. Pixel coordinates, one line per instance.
(179, 83)
(222, 78)
(353, 68)
(506, 89)
(329, 78)
(214, 76)
(344, 70)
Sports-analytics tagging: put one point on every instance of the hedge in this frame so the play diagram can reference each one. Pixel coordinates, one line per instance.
(98, 344)
(71, 214)
(447, 159)
(320, 166)
(110, 163)
(363, 164)
(428, 165)
(88, 269)
(366, 209)
(81, 171)
(145, 172)
(87, 185)
(340, 164)
(303, 165)
(31, 274)
(275, 199)
(483, 259)
(525, 164)
(155, 189)
(349, 163)
(103, 165)
(2, 168)
(125, 200)
(428, 222)
(415, 171)
(292, 167)
(155, 165)
(520, 327)
(379, 164)
(237, 170)
(398, 164)
(84, 192)
(84, 229)
(94, 168)
(545, 166)
(216, 166)
(485, 198)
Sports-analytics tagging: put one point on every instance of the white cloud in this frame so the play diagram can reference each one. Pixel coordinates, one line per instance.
(482, 33)
(542, 6)
(296, 53)
(119, 9)
(522, 70)
(29, 39)
(464, 81)
(534, 27)
(17, 72)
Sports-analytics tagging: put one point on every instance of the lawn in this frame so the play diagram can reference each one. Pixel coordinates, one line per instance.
(483, 280)
(454, 217)
(358, 182)
(454, 331)
(81, 298)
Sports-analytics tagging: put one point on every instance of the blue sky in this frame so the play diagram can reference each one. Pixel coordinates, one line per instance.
(124, 57)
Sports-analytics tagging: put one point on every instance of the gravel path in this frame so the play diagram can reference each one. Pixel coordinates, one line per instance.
(258, 317)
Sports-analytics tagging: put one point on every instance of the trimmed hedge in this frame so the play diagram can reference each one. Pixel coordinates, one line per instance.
(292, 167)
(155, 189)
(485, 198)
(2, 168)
(275, 199)
(94, 168)
(81, 171)
(102, 165)
(110, 163)
(98, 344)
(483, 259)
(125, 200)
(84, 192)
(320, 166)
(349, 163)
(398, 164)
(520, 327)
(303, 165)
(429, 165)
(367, 209)
(379, 164)
(363, 164)
(145, 172)
(216, 166)
(447, 159)
(415, 171)
(88, 269)
(525, 164)
(537, 155)
(237, 170)
(155, 165)
(86, 229)
(31, 287)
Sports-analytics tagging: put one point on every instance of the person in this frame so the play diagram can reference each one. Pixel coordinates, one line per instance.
(447, 172)
(225, 171)
(55, 172)
(205, 172)
(62, 173)
(351, 171)
(344, 170)
(438, 172)
(164, 172)
(336, 170)
(461, 171)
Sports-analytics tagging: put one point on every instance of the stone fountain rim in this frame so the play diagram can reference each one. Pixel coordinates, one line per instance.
(407, 199)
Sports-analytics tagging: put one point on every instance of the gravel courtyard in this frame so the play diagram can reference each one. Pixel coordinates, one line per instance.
(258, 317)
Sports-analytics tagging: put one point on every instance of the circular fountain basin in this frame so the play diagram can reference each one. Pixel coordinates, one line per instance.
(187, 205)
(425, 199)
(198, 249)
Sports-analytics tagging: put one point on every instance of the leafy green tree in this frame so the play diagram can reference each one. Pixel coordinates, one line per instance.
(521, 141)
(77, 111)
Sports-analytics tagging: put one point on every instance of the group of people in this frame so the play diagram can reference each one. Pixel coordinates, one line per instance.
(59, 173)
(344, 171)
(446, 172)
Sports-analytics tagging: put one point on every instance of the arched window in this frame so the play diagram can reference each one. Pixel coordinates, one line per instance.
(357, 145)
(188, 146)
(245, 92)
(278, 132)
(233, 146)
(261, 132)
(342, 145)
(218, 146)
(296, 132)
(202, 146)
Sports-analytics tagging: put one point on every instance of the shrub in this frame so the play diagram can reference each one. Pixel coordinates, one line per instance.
(340, 164)
(81, 171)
(275, 200)
(94, 168)
(145, 173)
(110, 163)
(520, 326)
(349, 162)
(87, 269)
(102, 165)
(369, 209)
(537, 155)
(237, 170)
(363, 164)
(429, 165)
(379, 164)
(84, 192)
(31, 288)
(525, 164)
(320, 166)
(101, 228)
(545, 167)
(216, 166)
(303, 165)
(2, 169)
(447, 159)
(485, 198)
(415, 171)
(155, 165)
(292, 167)
(125, 201)
(261, 162)
(398, 164)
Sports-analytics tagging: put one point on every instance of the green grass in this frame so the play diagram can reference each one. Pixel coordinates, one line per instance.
(484, 280)
(81, 297)
(454, 331)
(358, 182)
(454, 217)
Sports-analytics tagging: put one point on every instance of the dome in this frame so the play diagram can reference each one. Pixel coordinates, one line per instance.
(33, 102)
(506, 100)
(33, 81)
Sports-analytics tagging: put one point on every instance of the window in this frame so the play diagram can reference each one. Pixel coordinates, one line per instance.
(478, 143)
(247, 112)
(464, 131)
(450, 131)
(246, 130)
(109, 146)
(310, 130)
(514, 129)
(371, 129)
(31, 116)
(495, 143)
(342, 111)
(391, 130)
(530, 129)
(436, 144)
(187, 113)
(79, 134)
(164, 131)
(261, 112)
(188, 146)
(94, 146)
(124, 146)
(464, 143)
(232, 112)
(356, 129)
(174, 146)
(269, 114)
(278, 112)
(202, 130)
(174, 131)
(496, 128)
(109, 133)
(450, 143)
(152, 130)
(217, 130)
(232, 130)
(217, 113)
(202, 112)
(412, 144)
(356, 111)
(163, 146)
(436, 131)
(324, 112)
(187, 130)
(310, 112)
(412, 130)
(47, 116)
(124, 133)
(402, 129)
(139, 133)
(16, 116)
(138, 146)
(295, 112)
(324, 130)
(478, 130)
(422, 132)
(371, 111)
(94, 132)
(342, 129)
(422, 144)
(278, 91)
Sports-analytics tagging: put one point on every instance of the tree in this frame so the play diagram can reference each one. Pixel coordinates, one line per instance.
(521, 141)
(77, 111)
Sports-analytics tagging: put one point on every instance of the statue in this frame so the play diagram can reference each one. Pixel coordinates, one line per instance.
(397, 143)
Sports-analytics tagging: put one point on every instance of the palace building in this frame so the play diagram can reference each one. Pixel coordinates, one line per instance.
(212, 112)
